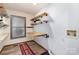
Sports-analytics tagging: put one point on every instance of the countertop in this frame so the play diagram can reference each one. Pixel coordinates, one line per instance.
(3, 36)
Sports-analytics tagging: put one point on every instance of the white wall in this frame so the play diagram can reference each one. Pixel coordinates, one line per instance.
(17, 13)
(44, 28)
(65, 17)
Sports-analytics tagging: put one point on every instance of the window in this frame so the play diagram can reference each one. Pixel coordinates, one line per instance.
(18, 27)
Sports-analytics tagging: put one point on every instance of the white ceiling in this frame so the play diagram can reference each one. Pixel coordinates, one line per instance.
(26, 7)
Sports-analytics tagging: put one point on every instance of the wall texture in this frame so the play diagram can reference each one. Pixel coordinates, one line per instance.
(65, 17)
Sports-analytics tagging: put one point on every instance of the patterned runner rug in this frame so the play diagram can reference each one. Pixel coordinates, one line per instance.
(24, 48)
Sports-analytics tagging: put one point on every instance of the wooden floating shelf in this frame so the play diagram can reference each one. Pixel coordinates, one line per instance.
(40, 16)
(37, 34)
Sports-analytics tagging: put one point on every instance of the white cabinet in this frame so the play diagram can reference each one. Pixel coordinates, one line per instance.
(3, 36)
(2, 39)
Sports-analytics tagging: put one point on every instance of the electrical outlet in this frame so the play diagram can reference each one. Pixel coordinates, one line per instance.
(72, 33)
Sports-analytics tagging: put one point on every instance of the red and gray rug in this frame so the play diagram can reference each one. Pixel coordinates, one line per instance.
(24, 48)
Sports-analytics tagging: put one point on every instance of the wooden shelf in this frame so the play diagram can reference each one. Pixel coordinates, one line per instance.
(36, 20)
(39, 16)
(37, 34)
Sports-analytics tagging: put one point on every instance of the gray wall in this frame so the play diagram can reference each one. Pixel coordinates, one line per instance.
(65, 17)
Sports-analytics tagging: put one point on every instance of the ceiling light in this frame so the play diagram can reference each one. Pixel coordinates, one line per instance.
(34, 3)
